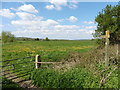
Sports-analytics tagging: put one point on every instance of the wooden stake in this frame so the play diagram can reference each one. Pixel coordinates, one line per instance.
(106, 36)
(117, 51)
(106, 53)
(106, 49)
(37, 59)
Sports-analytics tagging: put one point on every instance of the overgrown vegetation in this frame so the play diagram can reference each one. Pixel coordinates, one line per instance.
(74, 78)
(86, 70)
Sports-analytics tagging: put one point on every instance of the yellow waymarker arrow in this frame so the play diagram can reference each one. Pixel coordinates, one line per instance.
(107, 35)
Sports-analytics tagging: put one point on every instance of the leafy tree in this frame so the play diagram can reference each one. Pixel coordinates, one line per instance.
(109, 19)
(46, 39)
(36, 39)
(7, 37)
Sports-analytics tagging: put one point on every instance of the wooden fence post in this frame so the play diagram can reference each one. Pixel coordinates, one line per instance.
(106, 49)
(117, 51)
(106, 36)
(37, 59)
(106, 52)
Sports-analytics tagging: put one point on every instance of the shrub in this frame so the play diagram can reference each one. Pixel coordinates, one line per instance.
(73, 78)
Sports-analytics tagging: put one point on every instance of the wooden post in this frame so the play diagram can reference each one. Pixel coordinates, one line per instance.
(106, 52)
(106, 36)
(37, 59)
(117, 51)
(106, 49)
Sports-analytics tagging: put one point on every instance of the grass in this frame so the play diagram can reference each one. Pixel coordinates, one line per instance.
(82, 67)
(86, 70)
(49, 50)
(76, 77)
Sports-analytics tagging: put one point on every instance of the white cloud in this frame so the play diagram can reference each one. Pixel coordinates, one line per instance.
(72, 19)
(7, 13)
(90, 31)
(1, 25)
(57, 4)
(25, 16)
(13, 9)
(66, 27)
(88, 22)
(49, 7)
(35, 24)
(37, 18)
(52, 22)
(90, 27)
(56, 33)
(74, 1)
(21, 23)
(50, 28)
(73, 4)
(28, 8)
(60, 20)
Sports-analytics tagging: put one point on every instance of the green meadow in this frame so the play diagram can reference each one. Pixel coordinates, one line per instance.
(48, 50)
(81, 67)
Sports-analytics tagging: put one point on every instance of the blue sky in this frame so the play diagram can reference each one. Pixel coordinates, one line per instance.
(56, 20)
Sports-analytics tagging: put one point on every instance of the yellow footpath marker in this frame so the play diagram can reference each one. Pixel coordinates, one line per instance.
(106, 36)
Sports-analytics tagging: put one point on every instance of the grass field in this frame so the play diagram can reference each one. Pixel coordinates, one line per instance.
(49, 50)
(87, 72)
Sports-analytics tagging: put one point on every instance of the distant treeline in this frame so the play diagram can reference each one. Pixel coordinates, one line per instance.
(28, 39)
(38, 39)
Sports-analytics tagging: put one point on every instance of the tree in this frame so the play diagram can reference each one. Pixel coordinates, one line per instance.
(46, 39)
(109, 19)
(7, 37)
(36, 39)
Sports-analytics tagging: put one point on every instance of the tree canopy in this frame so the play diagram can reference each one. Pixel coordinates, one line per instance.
(109, 19)
(46, 39)
(7, 37)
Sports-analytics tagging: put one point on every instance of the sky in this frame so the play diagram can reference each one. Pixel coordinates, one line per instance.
(54, 19)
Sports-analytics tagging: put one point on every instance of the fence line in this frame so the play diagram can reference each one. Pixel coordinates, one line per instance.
(16, 63)
(17, 59)
(48, 62)
(13, 69)
(38, 62)
(19, 71)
